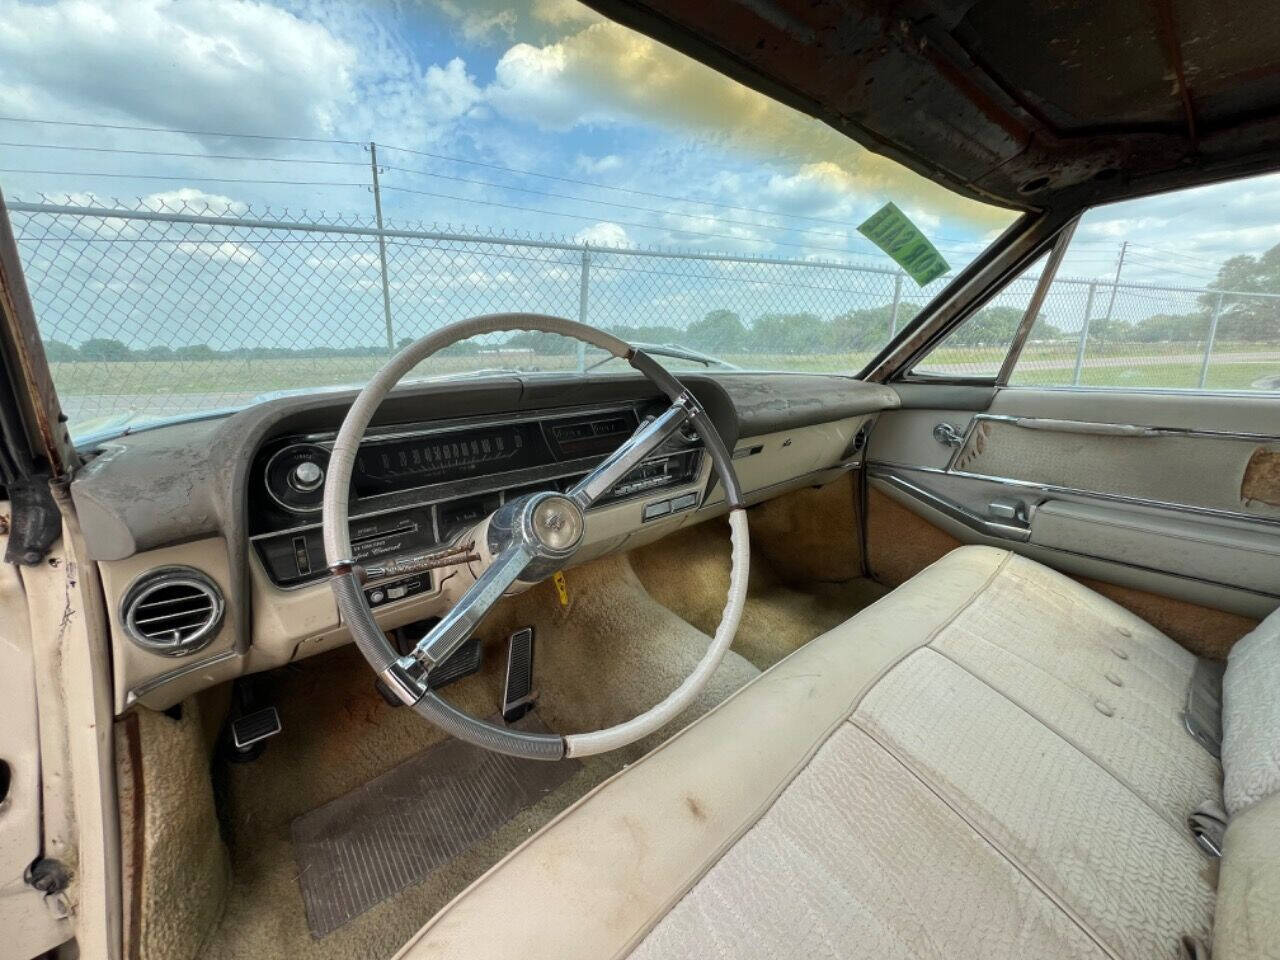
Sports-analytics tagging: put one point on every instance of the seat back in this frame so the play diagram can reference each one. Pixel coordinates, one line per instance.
(1251, 718)
(1246, 923)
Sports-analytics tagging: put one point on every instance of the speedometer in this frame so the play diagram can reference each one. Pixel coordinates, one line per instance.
(383, 466)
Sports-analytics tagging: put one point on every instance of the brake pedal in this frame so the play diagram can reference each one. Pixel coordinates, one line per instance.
(255, 727)
(518, 695)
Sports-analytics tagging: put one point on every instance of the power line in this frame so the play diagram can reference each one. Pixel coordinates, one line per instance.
(441, 176)
(624, 223)
(187, 133)
(446, 158)
(425, 193)
(643, 193)
(847, 237)
(194, 156)
(156, 176)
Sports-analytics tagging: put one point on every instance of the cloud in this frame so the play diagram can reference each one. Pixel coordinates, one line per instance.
(563, 12)
(240, 66)
(479, 24)
(598, 165)
(607, 75)
(604, 234)
(449, 92)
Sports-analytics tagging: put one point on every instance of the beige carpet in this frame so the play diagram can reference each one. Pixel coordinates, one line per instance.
(634, 628)
(688, 572)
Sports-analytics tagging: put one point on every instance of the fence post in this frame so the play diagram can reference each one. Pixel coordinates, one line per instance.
(382, 247)
(897, 299)
(1084, 333)
(1208, 347)
(584, 281)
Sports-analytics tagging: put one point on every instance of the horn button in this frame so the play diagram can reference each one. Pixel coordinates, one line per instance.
(556, 523)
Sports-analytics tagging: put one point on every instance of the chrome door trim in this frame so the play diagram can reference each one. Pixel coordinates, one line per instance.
(984, 526)
(1104, 428)
(879, 468)
(956, 511)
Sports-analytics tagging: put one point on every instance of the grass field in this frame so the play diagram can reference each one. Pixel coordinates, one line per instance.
(96, 391)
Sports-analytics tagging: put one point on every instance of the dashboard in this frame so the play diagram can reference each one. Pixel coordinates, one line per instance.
(227, 508)
(414, 489)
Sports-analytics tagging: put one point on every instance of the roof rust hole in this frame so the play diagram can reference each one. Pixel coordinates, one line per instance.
(1034, 184)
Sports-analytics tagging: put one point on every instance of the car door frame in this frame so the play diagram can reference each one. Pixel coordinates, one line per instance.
(57, 665)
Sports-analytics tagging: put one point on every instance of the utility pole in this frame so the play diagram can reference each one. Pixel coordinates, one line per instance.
(1124, 248)
(1084, 334)
(1208, 343)
(382, 247)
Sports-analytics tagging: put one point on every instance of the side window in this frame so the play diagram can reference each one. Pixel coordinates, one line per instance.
(977, 347)
(1177, 291)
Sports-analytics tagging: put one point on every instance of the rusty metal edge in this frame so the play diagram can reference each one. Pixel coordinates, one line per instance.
(20, 339)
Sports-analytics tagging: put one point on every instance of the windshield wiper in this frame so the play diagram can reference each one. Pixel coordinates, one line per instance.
(675, 352)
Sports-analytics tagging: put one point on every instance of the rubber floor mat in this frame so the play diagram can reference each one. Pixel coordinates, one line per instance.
(391, 833)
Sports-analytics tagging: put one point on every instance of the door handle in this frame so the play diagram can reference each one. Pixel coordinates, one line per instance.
(947, 435)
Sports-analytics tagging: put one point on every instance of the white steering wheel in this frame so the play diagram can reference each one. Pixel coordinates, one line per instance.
(525, 540)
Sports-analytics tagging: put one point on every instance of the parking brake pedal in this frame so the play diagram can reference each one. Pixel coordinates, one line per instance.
(254, 727)
(518, 696)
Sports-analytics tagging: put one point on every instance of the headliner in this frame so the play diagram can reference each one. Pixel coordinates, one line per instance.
(1029, 103)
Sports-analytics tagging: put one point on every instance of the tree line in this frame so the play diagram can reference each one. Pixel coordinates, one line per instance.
(724, 332)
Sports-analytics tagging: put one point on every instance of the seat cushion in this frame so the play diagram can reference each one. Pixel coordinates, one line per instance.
(1247, 919)
(990, 761)
(1251, 717)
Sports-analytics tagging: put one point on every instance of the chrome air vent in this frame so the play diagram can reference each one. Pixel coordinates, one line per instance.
(172, 611)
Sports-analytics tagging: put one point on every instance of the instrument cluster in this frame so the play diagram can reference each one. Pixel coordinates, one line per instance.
(416, 488)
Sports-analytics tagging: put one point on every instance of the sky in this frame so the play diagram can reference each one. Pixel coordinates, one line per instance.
(536, 118)
(546, 87)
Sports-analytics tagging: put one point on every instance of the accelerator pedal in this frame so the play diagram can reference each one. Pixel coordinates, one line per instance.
(518, 695)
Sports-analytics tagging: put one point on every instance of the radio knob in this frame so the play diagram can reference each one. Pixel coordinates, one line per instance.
(306, 477)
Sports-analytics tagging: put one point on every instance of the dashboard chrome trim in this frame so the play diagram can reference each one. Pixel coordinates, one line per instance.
(134, 694)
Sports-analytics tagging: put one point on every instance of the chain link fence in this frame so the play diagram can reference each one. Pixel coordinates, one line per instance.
(172, 307)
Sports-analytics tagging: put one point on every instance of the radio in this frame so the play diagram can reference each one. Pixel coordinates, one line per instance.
(672, 470)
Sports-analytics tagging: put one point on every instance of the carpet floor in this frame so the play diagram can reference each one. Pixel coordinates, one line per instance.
(634, 627)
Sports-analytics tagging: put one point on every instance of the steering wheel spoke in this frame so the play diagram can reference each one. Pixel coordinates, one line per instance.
(633, 451)
(460, 622)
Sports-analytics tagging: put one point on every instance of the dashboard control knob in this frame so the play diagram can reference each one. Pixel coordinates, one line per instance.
(306, 476)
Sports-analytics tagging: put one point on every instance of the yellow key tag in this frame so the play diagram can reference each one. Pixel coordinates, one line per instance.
(562, 588)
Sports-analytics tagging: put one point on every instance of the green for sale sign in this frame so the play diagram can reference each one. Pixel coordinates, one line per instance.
(890, 230)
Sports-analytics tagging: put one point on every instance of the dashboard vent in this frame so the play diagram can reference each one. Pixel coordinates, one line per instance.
(173, 611)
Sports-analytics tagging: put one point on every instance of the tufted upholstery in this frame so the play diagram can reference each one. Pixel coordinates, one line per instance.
(1251, 717)
(989, 762)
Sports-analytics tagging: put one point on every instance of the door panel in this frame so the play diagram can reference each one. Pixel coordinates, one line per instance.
(1166, 493)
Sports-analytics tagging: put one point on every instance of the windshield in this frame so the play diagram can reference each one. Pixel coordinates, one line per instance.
(218, 201)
